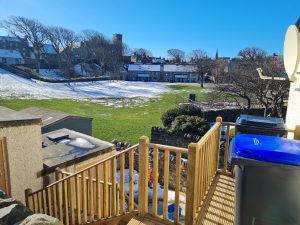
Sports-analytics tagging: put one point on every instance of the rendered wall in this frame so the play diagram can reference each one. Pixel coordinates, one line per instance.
(24, 158)
(293, 110)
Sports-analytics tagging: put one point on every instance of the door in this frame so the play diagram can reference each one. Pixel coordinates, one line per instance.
(4, 179)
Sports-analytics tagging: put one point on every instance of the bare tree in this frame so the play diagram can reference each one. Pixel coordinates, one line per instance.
(244, 84)
(203, 63)
(176, 55)
(100, 49)
(54, 36)
(69, 39)
(30, 29)
(142, 55)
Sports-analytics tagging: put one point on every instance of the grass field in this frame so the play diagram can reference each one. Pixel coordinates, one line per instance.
(124, 123)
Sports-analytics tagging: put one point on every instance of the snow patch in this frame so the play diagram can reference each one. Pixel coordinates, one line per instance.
(109, 93)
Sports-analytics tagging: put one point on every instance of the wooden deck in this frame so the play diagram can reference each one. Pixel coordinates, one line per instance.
(218, 208)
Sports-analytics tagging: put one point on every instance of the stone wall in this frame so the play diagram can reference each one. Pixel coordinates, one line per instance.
(13, 211)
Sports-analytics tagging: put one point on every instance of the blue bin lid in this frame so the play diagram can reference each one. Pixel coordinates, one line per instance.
(267, 148)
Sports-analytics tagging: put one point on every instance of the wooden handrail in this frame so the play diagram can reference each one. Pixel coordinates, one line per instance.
(84, 196)
(90, 167)
(169, 148)
(203, 158)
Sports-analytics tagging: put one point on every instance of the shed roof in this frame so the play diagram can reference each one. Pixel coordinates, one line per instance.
(8, 116)
(50, 116)
(66, 147)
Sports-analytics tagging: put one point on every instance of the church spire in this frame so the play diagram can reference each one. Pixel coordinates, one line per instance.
(217, 53)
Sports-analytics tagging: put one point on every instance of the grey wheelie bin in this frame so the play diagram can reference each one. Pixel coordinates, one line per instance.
(267, 180)
(271, 126)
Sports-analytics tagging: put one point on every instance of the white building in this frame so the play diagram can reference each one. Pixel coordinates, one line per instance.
(167, 73)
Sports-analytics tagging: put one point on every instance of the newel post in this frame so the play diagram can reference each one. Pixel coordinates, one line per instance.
(58, 174)
(143, 174)
(28, 192)
(297, 132)
(192, 181)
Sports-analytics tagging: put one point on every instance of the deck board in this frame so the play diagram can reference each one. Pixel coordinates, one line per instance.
(138, 220)
(220, 210)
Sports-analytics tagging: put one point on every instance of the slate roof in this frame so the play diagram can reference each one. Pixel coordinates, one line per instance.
(6, 53)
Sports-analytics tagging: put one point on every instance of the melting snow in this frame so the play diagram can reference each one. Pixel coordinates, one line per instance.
(81, 143)
(109, 93)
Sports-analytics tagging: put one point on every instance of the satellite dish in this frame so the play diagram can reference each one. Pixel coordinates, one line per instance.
(291, 52)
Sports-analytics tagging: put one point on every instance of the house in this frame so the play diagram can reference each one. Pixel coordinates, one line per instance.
(144, 72)
(20, 152)
(72, 151)
(180, 73)
(48, 56)
(54, 120)
(162, 72)
(10, 57)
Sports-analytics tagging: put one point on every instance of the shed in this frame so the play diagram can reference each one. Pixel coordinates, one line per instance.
(21, 158)
(72, 151)
(54, 120)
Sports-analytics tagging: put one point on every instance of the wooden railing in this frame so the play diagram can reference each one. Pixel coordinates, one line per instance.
(166, 151)
(203, 158)
(74, 200)
(100, 195)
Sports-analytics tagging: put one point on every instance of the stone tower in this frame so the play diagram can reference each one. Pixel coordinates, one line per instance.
(117, 39)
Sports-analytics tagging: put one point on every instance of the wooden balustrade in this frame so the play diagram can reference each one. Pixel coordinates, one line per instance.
(83, 197)
(163, 152)
(203, 158)
(95, 193)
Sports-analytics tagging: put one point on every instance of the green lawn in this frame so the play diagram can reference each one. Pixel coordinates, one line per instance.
(124, 124)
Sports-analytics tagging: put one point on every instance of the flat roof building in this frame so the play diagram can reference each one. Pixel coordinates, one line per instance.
(54, 120)
(72, 150)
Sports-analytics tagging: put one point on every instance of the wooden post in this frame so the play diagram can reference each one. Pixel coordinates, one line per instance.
(143, 174)
(218, 120)
(297, 132)
(226, 149)
(28, 192)
(192, 176)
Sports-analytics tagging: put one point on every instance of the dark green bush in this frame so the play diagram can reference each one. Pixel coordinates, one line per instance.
(189, 124)
(169, 116)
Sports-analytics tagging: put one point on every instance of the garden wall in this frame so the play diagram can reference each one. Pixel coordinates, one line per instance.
(162, 136)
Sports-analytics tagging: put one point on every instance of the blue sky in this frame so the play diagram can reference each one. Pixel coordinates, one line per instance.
(159, 25)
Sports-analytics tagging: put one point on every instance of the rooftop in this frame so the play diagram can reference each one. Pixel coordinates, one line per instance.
(144, 67)
(5, 53)
(9, 38)
(48, 49)
(8, 115)
(49, 116)
(66, 147)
